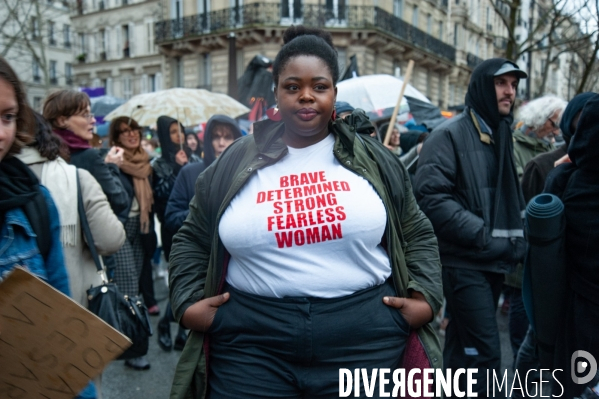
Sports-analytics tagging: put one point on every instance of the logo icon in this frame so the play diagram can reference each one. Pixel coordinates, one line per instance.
(578, 366)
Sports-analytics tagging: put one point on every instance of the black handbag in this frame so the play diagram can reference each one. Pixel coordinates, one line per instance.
(126, 314)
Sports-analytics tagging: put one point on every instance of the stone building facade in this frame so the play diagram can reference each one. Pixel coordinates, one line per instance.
(384, 35)
(37, 42)
(114, 46)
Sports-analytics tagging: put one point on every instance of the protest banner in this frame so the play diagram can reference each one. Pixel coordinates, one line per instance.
(50, 346)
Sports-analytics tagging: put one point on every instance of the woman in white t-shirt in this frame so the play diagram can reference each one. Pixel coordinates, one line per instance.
(304, 251)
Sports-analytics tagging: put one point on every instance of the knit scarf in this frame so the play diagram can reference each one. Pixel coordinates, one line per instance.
(60, 179)
(73, 141)
(509, 205)
(137, 164)
(18, 184)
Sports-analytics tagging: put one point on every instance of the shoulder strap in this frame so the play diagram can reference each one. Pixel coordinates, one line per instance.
(87, 233)
(37, 213)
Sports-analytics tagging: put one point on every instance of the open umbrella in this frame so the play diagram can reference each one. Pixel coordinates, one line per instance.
(376, 94)
(189, 106)
(425, 113)
(101, 106)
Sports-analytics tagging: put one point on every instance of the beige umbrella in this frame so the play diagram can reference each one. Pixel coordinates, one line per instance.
(189, 106)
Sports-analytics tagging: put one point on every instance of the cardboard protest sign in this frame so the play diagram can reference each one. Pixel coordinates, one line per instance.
(50, 346)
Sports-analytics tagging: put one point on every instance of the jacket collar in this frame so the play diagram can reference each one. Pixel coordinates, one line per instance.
(268, 137)
(481, 127)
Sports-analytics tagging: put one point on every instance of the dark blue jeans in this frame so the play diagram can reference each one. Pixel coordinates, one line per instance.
(294, 347)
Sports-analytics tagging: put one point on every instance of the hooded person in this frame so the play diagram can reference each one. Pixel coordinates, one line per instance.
(175, 154)
(579, 191)
(466, 183)
(193, 143)
(220, 133)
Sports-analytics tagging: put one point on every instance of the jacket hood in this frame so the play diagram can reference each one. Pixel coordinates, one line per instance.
(584, 147)
(575, 105)
(169, 149)
(209, 156)
(481, 94)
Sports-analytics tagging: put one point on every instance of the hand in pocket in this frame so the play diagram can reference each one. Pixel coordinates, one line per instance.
(200, 315)
(415, 310)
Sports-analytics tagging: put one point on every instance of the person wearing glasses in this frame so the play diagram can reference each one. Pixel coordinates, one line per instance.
(69, 113)
(134, 172)
(540, 120)
(539, 124)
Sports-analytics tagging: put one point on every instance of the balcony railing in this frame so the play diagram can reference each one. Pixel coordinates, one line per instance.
(473, 60)
(54, 81)
(271, 14)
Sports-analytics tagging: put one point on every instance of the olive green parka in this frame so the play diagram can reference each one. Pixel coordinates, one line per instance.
(198, 259)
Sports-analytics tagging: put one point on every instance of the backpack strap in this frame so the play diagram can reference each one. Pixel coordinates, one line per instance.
(37, 213)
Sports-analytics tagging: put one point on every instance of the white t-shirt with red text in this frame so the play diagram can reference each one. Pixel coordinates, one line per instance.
(305, 226)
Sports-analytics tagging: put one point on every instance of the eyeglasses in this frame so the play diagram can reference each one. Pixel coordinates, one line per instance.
(128, 132)
(89, 116)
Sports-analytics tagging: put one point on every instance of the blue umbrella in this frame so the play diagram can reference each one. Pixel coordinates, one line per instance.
(101, 106)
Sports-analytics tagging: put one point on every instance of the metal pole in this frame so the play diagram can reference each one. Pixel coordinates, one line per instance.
(232, 87)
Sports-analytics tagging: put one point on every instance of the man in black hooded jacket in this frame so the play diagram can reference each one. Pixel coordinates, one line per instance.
(466, 184)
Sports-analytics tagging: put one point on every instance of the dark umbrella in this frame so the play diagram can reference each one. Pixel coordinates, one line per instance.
(425, 113)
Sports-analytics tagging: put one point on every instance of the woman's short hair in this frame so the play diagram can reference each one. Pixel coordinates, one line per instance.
(535, 113)
(25, 125)
(47, 143)
(300, 40)
(64, 103)
(115, 125)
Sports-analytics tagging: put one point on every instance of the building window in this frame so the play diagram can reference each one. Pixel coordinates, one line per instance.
(103, 44)
(398, 8)
(51, 38)
(126, 39)
(415, 16)
(205, 77)
(150, 37)
(178, 72)
(35, 28)
(456, 33)
(127, 92)
(37, 104)
(291, 9)
(68, 73)
(67, 35)
(53, 76)
(36, 71)
(440, 30)
(82, 46)
(429, 24)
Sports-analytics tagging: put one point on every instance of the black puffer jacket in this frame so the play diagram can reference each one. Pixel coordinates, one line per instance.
(455, 187)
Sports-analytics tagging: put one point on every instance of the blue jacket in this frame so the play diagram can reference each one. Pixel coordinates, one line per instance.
(18, 247)
(177, 207)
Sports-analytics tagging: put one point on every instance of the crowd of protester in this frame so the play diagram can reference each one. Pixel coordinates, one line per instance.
(437, 221)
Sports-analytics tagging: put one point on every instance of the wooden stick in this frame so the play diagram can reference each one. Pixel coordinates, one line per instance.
(406, 80)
